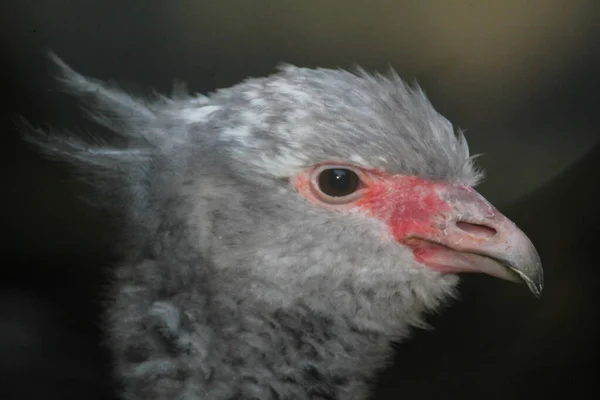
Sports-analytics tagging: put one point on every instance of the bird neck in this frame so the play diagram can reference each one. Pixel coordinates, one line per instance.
(295, 352)
(183, 334)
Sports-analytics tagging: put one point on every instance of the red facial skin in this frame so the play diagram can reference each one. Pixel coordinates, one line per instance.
(406, 204)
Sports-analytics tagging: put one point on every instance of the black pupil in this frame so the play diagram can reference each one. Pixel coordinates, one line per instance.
(338, 182)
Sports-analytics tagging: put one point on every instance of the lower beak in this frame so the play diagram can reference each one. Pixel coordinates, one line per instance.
(470, 235)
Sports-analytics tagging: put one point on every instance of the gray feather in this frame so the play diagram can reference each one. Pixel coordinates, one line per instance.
(233, 287)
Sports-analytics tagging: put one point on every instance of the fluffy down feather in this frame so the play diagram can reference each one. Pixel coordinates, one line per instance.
(232, 286)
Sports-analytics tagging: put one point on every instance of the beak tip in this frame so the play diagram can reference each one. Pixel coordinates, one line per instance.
(535, 281)
(536, 290)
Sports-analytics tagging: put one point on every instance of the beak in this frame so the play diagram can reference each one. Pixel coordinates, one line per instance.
(467, 234)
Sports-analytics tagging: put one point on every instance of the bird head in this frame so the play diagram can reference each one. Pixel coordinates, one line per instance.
(343, 190)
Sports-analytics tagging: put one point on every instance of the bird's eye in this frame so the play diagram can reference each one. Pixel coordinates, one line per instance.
(337, 183)
(333, 185)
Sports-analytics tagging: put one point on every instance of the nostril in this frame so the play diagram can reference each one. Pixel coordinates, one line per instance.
(476, 229)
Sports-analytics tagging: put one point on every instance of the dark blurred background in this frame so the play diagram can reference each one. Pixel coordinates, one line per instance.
(519, 76)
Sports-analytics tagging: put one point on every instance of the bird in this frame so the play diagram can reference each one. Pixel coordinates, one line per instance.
(278, 235)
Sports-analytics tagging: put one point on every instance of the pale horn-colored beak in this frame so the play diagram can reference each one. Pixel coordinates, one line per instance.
(470, 235)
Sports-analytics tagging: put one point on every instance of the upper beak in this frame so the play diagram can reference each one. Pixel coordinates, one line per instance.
(469, 235)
